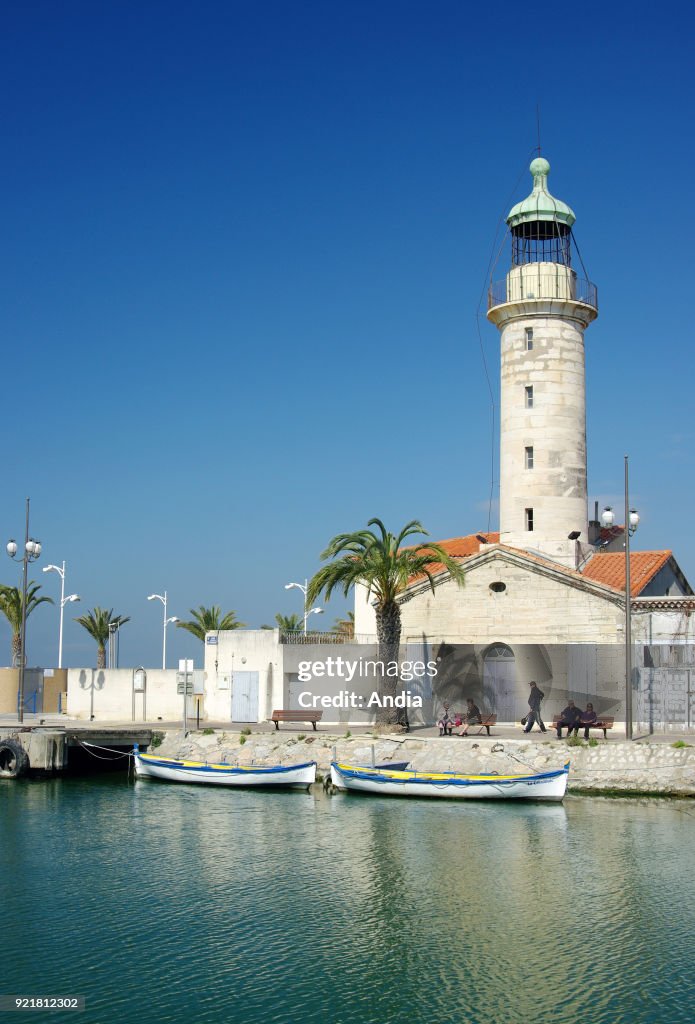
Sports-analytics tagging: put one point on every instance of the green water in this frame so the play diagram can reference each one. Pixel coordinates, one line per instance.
(173, 903)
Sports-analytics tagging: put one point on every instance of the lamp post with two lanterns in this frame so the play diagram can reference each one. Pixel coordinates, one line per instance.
(307, 611)
(32, 551)
(63, 601)
(631, 524)
(172, 618)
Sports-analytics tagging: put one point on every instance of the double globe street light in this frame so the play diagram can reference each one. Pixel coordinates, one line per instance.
(307, 611)
(173, 618)
(63, 601)
(32, 551)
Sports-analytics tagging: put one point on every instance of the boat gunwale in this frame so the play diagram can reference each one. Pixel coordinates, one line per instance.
(221, 768)
(444, 778)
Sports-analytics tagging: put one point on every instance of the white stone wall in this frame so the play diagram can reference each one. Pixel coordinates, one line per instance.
(555, 488)
(669, 627)
(534, 608)
(365, 616)
(106, 695)
(243, 650)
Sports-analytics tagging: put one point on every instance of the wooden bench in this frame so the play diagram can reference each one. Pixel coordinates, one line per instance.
(604, 723)
(296, 716)
(485, 722)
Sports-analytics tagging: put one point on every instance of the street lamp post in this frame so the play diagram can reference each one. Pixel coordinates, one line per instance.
(631, 524)
(307, 611)
(32, 550)
(173, 618)
(114, 643)
(63, 601)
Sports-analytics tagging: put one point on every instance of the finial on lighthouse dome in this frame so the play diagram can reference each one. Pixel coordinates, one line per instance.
(539, 166)
(540, 205)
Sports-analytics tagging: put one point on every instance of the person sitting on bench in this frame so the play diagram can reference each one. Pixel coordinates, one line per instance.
(471, 717)
(569, 717)
(586, 719)
(445, 723)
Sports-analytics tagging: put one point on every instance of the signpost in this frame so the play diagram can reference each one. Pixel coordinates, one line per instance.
(184, 685)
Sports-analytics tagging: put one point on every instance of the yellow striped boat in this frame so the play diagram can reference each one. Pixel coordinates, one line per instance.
(170, 769)
(549, 785)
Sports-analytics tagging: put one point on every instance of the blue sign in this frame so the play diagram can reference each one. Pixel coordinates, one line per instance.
(210, 639)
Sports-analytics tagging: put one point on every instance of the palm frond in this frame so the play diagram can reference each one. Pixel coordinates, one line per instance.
(378, 560)
(209, 620)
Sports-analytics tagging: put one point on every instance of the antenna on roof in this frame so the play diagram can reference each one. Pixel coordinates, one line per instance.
(538, 126)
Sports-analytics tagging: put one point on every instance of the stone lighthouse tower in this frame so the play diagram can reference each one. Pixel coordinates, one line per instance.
(542, 309)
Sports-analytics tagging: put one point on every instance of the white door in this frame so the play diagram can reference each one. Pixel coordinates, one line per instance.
(294, 688)
(245, 696)
(499, 682)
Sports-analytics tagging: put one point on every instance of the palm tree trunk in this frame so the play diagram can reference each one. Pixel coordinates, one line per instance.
(101, 656)
(388, 632)
(16, 649)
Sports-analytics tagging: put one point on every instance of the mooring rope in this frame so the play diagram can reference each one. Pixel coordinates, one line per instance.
(118, 753)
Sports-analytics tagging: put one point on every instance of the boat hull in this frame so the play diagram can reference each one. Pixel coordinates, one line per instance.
(547, 786)
(169, 769)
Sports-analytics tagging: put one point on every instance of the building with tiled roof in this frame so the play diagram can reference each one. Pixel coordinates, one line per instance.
(543, 598)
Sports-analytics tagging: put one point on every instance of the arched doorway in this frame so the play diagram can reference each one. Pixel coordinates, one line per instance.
(499, 681)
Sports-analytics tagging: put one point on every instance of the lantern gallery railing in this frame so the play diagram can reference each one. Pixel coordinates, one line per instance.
(539, 282)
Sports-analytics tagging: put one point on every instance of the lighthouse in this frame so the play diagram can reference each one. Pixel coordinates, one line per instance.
(542, 309)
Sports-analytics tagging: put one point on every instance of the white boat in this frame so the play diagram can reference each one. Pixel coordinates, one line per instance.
(549, 785)
(171, 769)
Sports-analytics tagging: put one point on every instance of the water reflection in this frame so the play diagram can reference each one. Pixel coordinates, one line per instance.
(210, 905)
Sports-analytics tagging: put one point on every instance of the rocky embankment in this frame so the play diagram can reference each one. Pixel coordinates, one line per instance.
(609, 767)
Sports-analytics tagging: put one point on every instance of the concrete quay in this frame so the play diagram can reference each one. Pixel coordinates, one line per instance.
(650, 764)
(52, 748)
(609, 767)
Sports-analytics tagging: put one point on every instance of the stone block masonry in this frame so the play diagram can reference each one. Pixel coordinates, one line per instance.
(656, 769)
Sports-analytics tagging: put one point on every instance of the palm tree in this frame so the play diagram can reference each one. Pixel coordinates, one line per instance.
(11, 608)
(377, 560)
(345, 625)
(209, 620)
(287, 623)
(98, 623)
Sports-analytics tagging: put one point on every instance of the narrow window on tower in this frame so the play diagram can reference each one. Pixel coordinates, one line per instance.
(529, 396)
(529, 338)
(529, 457)
(528, 512)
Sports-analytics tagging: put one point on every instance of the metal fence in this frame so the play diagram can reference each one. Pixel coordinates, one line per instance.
(543, 286)
(315, 637)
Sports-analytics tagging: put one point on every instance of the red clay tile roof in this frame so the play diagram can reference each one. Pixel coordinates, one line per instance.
(461, 547)
(609, 533)
(609, 569)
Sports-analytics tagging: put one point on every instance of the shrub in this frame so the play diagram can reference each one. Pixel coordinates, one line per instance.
(593, 742)
(575, 741)
(208, 732)
(242, 739)
(679, 744)
(157, 738)
(302, 736)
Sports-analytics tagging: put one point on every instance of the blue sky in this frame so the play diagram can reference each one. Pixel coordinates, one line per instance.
(243, 252)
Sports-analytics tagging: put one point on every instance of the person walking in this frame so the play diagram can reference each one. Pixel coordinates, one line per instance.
(534, 702)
